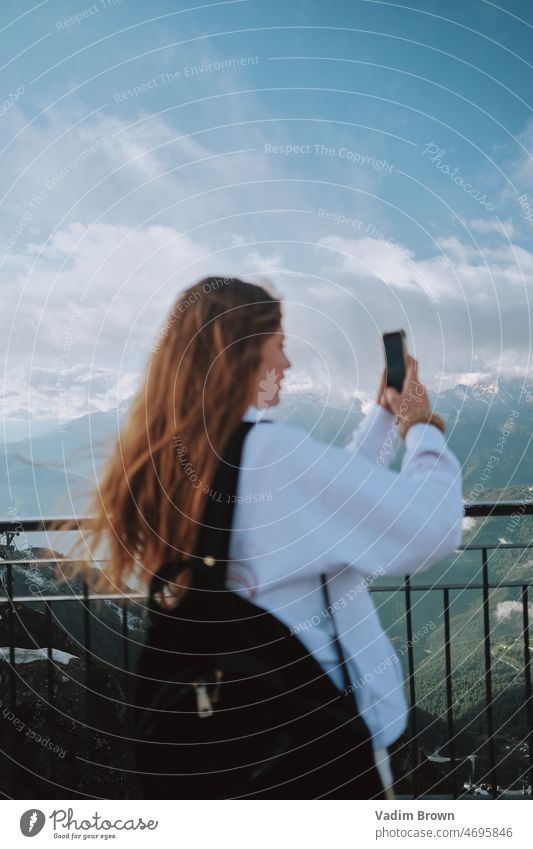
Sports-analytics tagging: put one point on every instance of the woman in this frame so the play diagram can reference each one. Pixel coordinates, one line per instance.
(301, 509)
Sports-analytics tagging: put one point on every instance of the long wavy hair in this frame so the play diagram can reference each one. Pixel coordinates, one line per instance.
(147, 507)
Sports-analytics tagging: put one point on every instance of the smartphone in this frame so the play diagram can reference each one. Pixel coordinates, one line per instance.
(395, 358)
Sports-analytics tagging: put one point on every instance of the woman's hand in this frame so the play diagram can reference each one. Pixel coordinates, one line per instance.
(412, 398)
(381, 399)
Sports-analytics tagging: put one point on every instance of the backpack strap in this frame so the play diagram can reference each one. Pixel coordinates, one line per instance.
(210, 558)
(348, 686)
(214, 539)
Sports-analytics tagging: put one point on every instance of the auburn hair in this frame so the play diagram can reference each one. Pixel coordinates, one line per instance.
(148, 504)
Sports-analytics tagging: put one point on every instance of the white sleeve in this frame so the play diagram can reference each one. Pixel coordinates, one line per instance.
(367, 516)
(376, 438)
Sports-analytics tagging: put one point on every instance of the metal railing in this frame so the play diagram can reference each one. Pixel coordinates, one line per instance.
(485, 586)
(49, 604)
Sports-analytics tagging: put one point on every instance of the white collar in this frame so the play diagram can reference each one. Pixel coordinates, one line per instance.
(254, 414)
(250, 414)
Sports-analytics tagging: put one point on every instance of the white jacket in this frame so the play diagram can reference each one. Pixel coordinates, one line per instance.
(305, 507)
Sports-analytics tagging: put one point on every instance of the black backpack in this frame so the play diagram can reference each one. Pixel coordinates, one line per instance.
(230, 703)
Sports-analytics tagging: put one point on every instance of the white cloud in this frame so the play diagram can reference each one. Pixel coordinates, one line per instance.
(461, 308)
(386, 259)
(506, 229)
(100, 259)
(64, 393)
(333, 318)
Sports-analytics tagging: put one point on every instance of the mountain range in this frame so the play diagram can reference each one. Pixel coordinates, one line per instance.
(53, 473)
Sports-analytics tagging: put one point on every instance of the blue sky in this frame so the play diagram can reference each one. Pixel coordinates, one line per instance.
(371, 159)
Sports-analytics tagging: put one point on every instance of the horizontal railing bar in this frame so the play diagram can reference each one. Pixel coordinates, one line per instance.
(40, 561)
(488, 508)
(499, 546)
(426, 587)
(93, 597)
(68, 560)
(498, 508)
(46, 524)
(385, 589)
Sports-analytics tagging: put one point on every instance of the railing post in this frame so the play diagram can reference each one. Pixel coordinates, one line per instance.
(127, 686)
(88, 659)
(50, 675)
(125, 637)
(488, 674)
(12, 677)
(527, 675)
(411, 679)
(449, 696)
